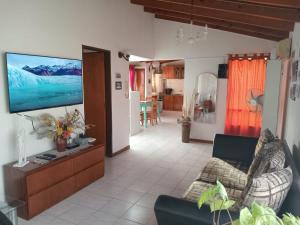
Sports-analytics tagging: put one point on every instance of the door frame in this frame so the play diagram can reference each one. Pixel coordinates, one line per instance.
(108, 95)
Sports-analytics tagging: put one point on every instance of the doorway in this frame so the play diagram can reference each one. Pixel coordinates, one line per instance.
(156, 96)
(97, 95)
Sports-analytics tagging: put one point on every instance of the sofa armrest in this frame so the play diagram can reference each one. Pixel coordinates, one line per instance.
(234, 148)
(174, 211)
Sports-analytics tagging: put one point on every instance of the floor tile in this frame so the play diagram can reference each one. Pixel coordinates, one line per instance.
(139, 214)
(77, 214)
(116, 207)
(157, 163)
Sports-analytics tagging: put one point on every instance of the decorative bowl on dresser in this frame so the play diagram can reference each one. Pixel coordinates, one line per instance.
(42, 186)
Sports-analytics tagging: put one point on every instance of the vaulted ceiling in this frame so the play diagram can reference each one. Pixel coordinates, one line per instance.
(268, 19)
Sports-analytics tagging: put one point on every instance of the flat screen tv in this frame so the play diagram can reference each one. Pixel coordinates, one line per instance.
(39, 82)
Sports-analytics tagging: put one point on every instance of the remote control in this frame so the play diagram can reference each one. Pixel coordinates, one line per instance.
(49, 155)
(43, 157)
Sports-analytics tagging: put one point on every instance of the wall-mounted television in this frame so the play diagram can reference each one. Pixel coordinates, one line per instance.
(39, 82)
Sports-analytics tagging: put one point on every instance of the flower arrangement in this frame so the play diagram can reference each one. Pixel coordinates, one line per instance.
(62, 127)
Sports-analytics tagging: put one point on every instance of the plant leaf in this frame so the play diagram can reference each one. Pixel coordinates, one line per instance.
(218, 205)
(246, 217)
(263, 215)
(289, 219)
(207, 196)
(257, 210)
(236, 222)
(222, 191)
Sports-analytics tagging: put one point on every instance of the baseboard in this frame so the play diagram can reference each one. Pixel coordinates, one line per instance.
(201, 141)
(121, 151)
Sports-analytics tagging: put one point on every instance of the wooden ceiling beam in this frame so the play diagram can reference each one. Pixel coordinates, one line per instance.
(217, 14)
(262, 11)
(276, 3)
(257, 35)
(215, 22)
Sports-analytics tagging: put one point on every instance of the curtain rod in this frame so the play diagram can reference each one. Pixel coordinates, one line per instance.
(265, 56)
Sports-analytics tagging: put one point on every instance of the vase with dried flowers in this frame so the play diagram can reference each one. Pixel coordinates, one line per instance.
(185, 119)
(61, 129)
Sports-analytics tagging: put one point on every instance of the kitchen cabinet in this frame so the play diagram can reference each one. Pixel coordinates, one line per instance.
(177, 102)
(168, 102)
(173, 102)
(173, 72)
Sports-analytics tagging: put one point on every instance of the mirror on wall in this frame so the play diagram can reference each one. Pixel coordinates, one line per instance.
(206, 98)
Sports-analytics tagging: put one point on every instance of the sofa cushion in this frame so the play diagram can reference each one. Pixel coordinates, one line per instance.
(244, 167)
(261, 162)
(277, 161)
(229, 176)
(270, 189)
(265, 137)
(270, 158)
(197, 187)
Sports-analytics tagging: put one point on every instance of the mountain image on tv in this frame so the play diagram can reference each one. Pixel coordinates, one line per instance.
(37, 82)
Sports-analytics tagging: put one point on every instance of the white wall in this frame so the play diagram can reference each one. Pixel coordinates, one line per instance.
(193, 68)
(204, 57)
(271, 97)
(176, 85)
(219, 43)
(59, 28)
(292, 129)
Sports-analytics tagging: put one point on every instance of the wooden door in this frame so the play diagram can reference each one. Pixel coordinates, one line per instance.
(140, 82)
(94, 95)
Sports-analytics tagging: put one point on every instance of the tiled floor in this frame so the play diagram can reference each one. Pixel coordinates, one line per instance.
(158, 163)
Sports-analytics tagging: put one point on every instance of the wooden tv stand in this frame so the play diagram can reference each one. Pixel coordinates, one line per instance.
(42, 186)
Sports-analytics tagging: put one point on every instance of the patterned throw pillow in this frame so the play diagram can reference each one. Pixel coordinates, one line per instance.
(261, 161)
(229, 176)
(265, 137)
(271, 158)
(197, 187)
(277, 161)
(270, 189)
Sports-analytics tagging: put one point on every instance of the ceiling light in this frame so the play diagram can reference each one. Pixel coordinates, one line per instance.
(195, 35)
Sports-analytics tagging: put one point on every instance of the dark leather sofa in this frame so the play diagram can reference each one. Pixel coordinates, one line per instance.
(174, 211)
(4, 220)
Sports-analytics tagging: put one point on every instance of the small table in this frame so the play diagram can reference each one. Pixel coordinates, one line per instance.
(10, 210)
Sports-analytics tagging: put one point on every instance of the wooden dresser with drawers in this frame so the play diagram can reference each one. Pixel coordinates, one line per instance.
(42, 186)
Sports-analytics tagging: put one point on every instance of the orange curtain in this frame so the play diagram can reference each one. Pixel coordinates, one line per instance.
(243, 76)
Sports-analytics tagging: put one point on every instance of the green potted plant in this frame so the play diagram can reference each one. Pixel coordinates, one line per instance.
(218, 201)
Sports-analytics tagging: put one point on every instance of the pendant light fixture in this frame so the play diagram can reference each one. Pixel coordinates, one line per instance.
(195, 35)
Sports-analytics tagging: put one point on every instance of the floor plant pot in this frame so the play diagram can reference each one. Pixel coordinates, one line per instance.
(186, 130)
(61, 144)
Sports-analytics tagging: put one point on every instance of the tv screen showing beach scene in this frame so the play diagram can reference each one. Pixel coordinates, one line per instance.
(39, 82)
